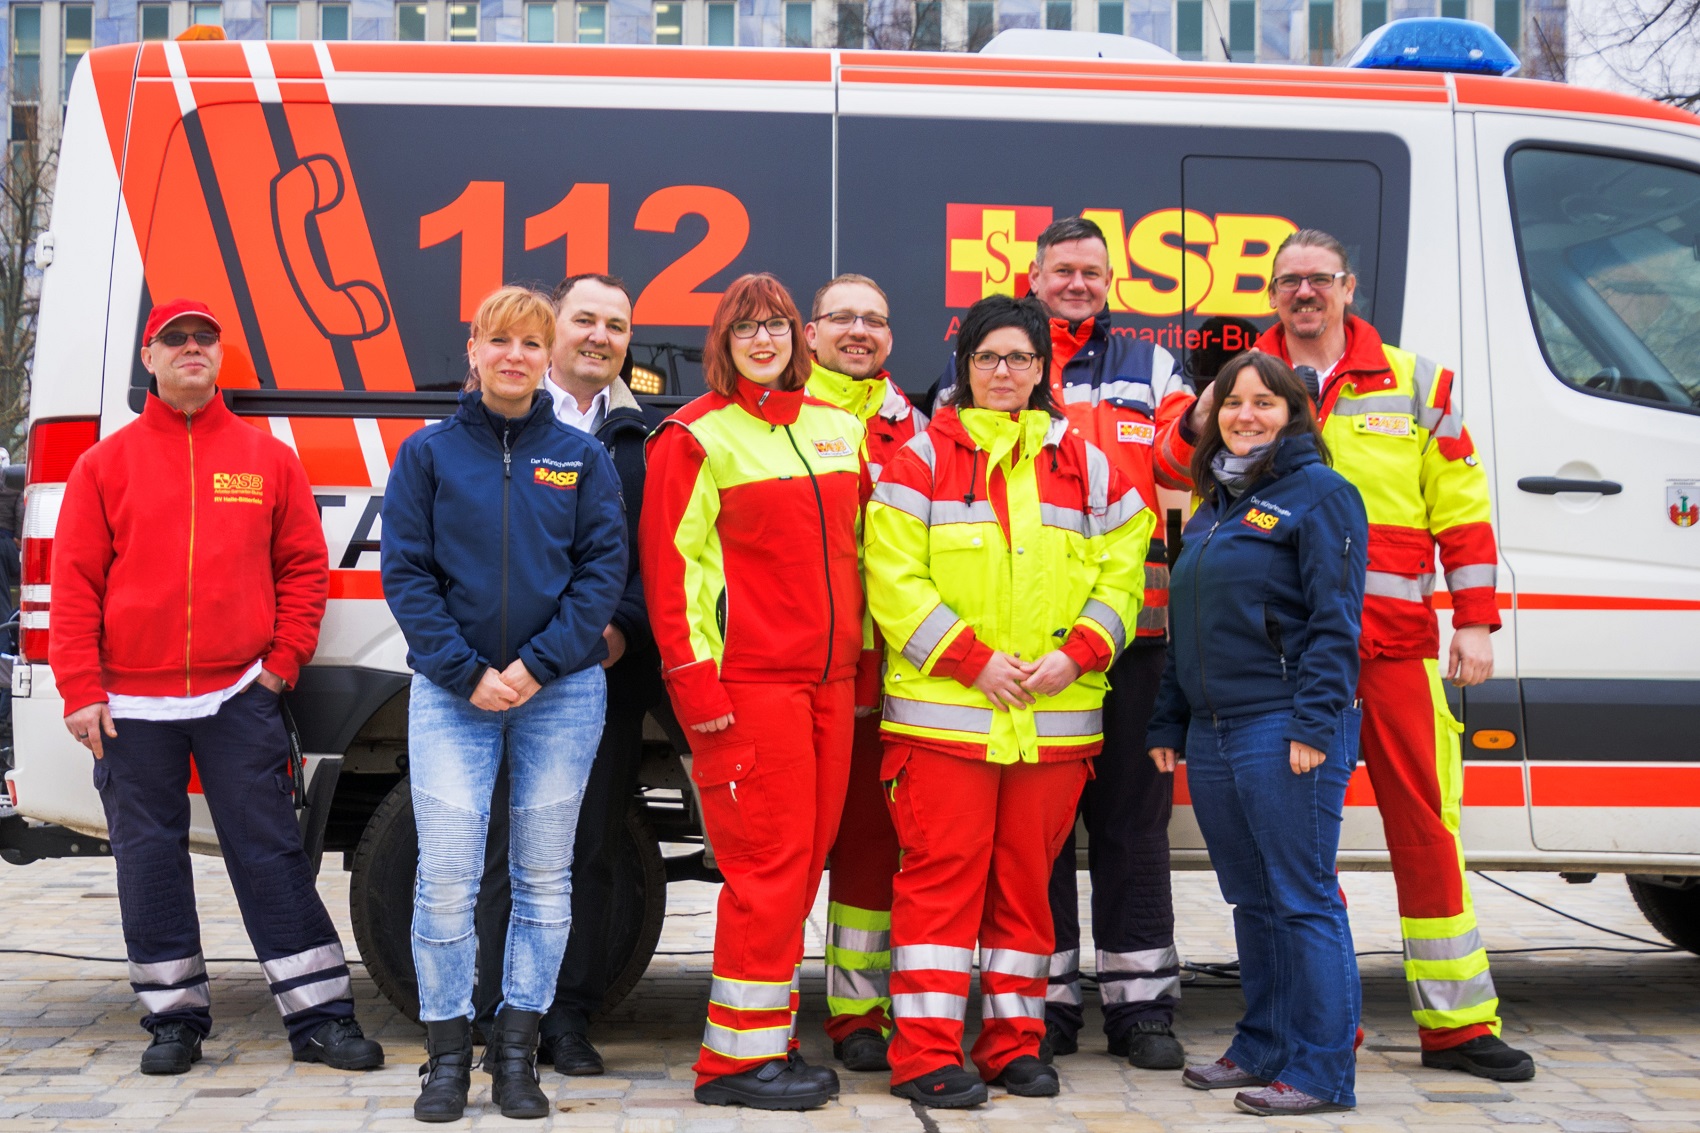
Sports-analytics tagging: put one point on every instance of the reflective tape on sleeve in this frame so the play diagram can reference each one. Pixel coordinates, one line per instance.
(929, 634)
(905, 499)
(1466, 577)
(1109, 619)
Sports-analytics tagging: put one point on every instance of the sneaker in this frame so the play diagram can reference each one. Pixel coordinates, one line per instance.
(570, 1053)
(948, 1087)
(862, 1049)
(175, 1048)
(775, 1084)
(1280, 1100)
(1056, 1043)
(1223, 1074)
(341, 1044)
(1487, 1056)
(1027, 1077)
(1151, 1045)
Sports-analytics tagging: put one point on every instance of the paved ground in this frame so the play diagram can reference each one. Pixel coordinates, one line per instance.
(1617, 1034)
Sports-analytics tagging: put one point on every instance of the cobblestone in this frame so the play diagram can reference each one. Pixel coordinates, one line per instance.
(1616, 1034)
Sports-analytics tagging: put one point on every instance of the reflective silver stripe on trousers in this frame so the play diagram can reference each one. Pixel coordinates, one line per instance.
(1065, 963)
(1385, 584)
(1445, 948)
(929, 1005)
(1148, 960)
(858, 939)
(1009, 1005)
(1063, 724)
(176, 999)
(1145, 989)
(1064, 993)
(857, 983)
(932, 957)
(1381, 403)
(1452, 995)
(952, 717)
(928, 634)
(168, 971)
(768, 1042)
(743, 995)
(313, 995)
(1010, 962)
(904, 499)
(955, 511)
(319, 959)
(1465, 577)
(1067, 518)
(1109, 619)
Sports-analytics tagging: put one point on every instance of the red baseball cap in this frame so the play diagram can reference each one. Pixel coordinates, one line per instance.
(165, 314)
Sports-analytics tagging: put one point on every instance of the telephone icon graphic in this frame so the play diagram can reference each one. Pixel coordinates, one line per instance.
(301, 194)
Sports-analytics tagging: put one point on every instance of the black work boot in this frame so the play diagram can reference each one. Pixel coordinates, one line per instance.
(948, 1087)
(1486, 1056)
(447, 1074)
(776, 1084)
(175, 1048)
(511, 1059)
(1057, 1042)
(1027, 1077)
(570, 1053)
(862, 1049)
(826, 1076)
(340, 1043)
(1150, 1045)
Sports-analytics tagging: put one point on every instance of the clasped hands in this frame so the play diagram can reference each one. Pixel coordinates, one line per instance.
(1010, 682)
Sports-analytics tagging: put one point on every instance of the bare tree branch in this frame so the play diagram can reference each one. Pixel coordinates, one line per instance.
(26, 193)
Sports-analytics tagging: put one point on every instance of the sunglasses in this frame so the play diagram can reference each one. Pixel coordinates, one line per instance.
(176, 338)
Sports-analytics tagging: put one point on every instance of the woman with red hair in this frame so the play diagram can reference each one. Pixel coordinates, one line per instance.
(749, 560)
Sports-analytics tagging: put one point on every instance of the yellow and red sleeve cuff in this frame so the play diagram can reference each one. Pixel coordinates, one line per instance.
(697, 694)
(964, 659)
(1089, 649)
(1477, 606)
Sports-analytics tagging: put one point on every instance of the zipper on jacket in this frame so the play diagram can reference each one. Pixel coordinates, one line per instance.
(1198, 616)
(1272, 629)
(507, 481)
(826, 555)
(189, 588)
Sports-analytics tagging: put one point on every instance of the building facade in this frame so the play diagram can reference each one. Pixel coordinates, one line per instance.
(46, 39)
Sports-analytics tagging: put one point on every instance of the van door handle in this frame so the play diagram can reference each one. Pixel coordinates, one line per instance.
(1552, 485)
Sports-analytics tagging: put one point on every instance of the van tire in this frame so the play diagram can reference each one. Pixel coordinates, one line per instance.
(1674, 912)
(380, 901)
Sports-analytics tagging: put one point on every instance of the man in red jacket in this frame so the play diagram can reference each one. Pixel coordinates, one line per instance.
(189, 581)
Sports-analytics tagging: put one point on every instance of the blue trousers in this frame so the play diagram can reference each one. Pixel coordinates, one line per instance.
(454, 750)
(1272, 837)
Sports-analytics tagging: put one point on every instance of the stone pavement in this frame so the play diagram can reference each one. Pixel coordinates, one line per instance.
(1616, 1034)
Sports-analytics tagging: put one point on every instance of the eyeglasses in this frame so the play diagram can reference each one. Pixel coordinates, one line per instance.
(176, 338)
(1321, 281)
(1019, 361)
(747, 328)
(851, 318)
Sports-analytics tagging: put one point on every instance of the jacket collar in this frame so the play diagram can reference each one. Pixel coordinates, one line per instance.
(865, 397)
(1364, 357)
(213, 414)
(1291, 454)
(473, 413)
(775, 406)
(997, 434)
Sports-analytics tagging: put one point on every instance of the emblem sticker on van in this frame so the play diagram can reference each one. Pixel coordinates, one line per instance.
(239, 488)
(837, 446)
(554, 479)
(1387, 424)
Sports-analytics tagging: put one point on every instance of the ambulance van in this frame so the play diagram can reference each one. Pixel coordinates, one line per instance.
(344, 206)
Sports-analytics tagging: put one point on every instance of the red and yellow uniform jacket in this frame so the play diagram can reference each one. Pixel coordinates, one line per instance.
(998, 531)
(1392, 425)
(748, 540)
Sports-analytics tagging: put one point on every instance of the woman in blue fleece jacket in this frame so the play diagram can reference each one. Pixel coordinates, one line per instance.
(1265, 605)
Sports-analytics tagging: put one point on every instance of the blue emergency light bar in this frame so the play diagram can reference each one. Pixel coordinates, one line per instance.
(1435, 44)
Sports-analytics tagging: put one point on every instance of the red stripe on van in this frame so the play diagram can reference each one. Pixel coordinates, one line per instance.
(1614, 785)
(1485, 784)
(1508, 601)
(1524, 94)
(1166, 84)
(294, 60)
(330, 452)
(601, 61)
(357, 584)
(112, 69)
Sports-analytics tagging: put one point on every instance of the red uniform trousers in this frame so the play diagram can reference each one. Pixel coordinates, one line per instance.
(772, 786)
(1410, 745)
(978, 841)
(863, 862)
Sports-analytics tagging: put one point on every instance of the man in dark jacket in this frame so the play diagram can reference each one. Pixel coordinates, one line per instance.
(593, 331)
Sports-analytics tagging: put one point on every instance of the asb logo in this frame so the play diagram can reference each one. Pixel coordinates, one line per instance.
(1136, 432)
(837, 446)
(1260, 519)
(554, 479)
(239, 488)
(990, 248)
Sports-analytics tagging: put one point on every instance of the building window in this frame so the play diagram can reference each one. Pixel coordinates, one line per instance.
(333, 21)
(1321, 33)
(1507, 23)
(1455, 9)
(154, 21)
(283, 21)
(410, 23)
(1111, 20)
(79, 37)
(540, 23)
(26, 55)
(1375, 13)
(799, 25)
(929, 25)
(982, 23)
(211, 15)
(670, 22)
(1242, 30)
(463, 23)
(592, 23)
(852, 27)
(722, 24)
(1189, 29)
(1059, 15)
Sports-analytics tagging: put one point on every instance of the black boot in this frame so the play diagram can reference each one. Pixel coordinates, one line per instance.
(511, 1059)
(447, 1073)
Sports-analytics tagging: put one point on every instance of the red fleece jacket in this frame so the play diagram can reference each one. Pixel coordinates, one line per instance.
(187, 548)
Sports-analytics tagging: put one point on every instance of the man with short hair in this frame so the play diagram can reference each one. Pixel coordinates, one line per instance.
(1120, 394)
(849, 332)
(593, 334)
(189, 581)
(1392, 422)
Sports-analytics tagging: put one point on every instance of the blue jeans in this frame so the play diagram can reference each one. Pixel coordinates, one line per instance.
(454, 750)
(1273, 836)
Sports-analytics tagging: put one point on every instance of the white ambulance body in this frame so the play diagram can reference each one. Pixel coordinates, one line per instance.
(345, 205)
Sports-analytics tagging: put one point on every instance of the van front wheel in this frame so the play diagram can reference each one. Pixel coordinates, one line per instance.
(1671, 905)
(380, 899)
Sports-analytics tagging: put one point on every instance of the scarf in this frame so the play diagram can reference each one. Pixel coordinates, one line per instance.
(1233, 472)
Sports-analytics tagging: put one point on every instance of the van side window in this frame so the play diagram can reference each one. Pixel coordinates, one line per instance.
(1611, 256)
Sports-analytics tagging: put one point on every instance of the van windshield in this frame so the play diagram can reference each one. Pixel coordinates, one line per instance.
(1611, 254)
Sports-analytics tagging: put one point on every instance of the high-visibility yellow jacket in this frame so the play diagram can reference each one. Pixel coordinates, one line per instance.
(997, 531)
(1393, 427)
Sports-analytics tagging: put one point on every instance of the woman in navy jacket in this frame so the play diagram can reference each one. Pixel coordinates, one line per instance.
(1265, 606)
(504, 555)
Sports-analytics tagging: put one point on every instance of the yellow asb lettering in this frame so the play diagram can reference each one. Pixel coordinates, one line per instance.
(1179, 278)
(238, 488)
(1241, 259)
(1262, 520)
(555, 479)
